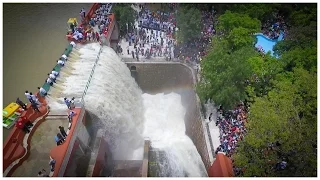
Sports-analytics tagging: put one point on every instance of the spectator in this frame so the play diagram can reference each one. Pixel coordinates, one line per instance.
(21, 125)
(63, 132)
(21, 104)
(42, 91)
(26, 122)
(67, 102)
(52, 164)
(58, 140)
(34, 105)
(42, 173)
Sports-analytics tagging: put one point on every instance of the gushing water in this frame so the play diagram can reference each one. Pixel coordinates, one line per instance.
(164, 126)
(126, 115)
(115, 98)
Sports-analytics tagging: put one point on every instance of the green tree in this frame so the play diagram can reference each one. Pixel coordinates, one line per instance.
(261, 11)
(288, 115)
(240, 37)
(226, 69)
(229, 21)
(303, 14)
(224, 76)
(282, 92)
(125, 15)
(189, 24)
(264, 69)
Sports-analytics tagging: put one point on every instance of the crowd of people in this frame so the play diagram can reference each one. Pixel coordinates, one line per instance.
(232, 128)
(193, 51)
(86, 32)
(25, 123)
(157, 20)
(149, 43)
(150, 40)
(274, 27)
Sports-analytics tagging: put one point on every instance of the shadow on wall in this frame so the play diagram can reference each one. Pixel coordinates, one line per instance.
(155, 78)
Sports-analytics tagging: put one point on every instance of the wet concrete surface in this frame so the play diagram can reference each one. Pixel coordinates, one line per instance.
(41, 143)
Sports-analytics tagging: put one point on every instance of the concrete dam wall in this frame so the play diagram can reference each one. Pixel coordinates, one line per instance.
(156, 78)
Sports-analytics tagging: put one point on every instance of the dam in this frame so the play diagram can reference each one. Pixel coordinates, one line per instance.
(132, 119)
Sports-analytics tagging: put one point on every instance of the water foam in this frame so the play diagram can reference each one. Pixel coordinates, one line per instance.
(164, 126)
(115, 99)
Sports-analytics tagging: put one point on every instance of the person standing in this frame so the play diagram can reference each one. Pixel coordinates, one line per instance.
(26, 122)
(64, 57)
(21, 104)
(63, 132)
(58, 141)
(42, 91)
(54, 72)
(42, 173)
(27, 95)
(210, 117)
(93, 36)
(52, 77)
(52, 164)
(83, 12)
(128, 50)
(49, 81)
(73, 44)
(67, 102)
(60, 137)
(97, 36)
(20, 125)
(59, 62)
(34, 105)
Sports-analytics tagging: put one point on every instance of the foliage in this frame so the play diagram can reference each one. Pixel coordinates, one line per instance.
(264, 70)
(225, 76)
(229, 21)
(304, 14)
(124, 15)
(282, 92)
(288, 115)
(299, 36)
(189, 24)
(226, 68)
(258, 10)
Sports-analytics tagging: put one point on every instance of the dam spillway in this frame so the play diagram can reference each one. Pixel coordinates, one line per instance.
(114, 101)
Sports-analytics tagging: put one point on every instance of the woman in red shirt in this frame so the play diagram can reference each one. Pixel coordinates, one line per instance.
(26, 122)
(22, 126)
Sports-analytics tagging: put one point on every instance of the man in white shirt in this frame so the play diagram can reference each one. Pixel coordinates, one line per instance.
(27, 95)
(61, 63)
(54, 72)
(80, 36)
(52, 77)
(42, 91)
(73, 43)
(49, 81)
(34, 98)
(75, 36)
(64, 57)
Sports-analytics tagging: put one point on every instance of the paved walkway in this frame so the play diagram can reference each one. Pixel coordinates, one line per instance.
(41, 143)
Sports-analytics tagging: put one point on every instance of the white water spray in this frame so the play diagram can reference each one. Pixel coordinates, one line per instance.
(116, 100)
(165, 127)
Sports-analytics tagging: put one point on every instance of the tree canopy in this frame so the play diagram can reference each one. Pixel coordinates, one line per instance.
(226, 68)
(282, 92)
(124, 15)
(188, 23)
